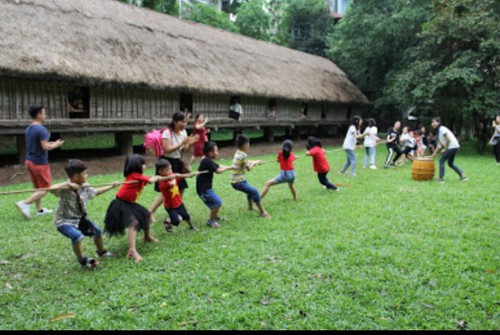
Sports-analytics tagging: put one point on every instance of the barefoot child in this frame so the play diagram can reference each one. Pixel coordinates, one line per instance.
(124, 212)
(172, 199)
(287, 175)
(238, 181)
(320, 163)
(204, 182)
(71, 218)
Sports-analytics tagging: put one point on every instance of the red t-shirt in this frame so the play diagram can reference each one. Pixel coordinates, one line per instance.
(320, 162)
(171, 195)
(130, 192)
(286, 164)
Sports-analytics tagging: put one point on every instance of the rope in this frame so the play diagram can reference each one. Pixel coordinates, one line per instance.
(64, 187)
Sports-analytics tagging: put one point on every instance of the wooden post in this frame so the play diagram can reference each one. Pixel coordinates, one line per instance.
(21, 149)
(268, 134)
(124, 143)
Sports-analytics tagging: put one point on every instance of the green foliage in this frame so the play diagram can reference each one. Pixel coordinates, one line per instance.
(452, 71)
(253, 21)
(211, 16)
(372, 38)
(388, 253)
(305, 25)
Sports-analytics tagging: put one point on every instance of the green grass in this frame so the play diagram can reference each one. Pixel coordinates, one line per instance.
(387, 253)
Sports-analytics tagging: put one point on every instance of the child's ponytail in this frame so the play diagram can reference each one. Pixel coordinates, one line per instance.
(287, 149)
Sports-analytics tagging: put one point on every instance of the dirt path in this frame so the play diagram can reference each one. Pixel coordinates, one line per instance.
(102, 163)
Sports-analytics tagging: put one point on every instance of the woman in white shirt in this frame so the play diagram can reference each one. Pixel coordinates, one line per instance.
(449, 143)
(349, 145)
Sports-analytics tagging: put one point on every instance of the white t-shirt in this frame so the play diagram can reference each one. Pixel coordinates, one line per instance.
(174, 140)
(408, 140)
(445, 132)
(350, 138)
(370, 137)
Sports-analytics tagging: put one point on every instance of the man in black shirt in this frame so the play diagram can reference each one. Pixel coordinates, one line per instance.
(393, 145)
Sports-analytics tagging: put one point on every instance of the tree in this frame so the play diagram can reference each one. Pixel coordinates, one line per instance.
(252, 20)
(452, 71)
(371, 39)
(305, 25)
(209, 15)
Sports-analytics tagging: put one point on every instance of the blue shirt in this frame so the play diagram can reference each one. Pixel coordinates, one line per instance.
(35, 153)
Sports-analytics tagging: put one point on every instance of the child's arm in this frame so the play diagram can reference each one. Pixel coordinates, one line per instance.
(103, 189)
(251, 164)
(223, 168)
(189, 175)
(160, 178)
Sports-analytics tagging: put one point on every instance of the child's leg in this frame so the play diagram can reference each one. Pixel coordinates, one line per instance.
(266, 187)
(185, 215)
(293, 190)
(262, 211)
(325, 182)
(154, 206)
(77, 249)
(213, 213)
(132, 235)
(250, 204)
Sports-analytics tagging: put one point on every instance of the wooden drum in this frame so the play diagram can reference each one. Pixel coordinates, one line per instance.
(423, 168)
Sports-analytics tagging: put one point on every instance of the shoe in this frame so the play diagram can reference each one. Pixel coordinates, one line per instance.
(440, 180)
(88, 263)
(168, 226)
(341, 172)
(193, 228)
(104, 254)
(352, 174)
(220, 218)
(213, 224)
(373, 167)
(464, 178)
(44, 211)
(24, 208)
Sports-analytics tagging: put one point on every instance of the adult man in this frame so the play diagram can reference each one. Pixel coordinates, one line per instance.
(37, 159)
(393, 145)
(450, 145)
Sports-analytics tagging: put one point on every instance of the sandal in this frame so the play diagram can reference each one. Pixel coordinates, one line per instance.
(168, 226)
(88, 263)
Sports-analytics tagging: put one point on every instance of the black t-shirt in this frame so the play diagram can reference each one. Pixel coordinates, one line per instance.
(393, 133)
(204, 181)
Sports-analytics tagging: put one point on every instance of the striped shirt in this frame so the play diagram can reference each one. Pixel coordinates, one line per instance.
(240, 162)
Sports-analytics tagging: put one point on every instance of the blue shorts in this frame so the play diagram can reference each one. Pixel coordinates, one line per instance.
(245, 187)
(75, 234)
(210, 199)
(285, 177)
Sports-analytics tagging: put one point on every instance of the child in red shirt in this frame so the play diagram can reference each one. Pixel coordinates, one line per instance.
(172, 199)
(320, 163)
(124, 212)
(287, 175)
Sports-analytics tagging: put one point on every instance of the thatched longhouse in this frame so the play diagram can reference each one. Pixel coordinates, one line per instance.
(102, 65)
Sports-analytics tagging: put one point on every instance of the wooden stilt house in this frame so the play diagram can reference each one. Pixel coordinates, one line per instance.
(105, 66)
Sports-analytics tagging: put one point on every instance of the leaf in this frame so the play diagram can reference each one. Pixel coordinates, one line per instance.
(63, 316)
(187, 323)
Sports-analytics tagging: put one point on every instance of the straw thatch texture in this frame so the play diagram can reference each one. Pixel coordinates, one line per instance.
(107, 42)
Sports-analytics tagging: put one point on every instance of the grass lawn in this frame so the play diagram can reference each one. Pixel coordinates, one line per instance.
(387, 252)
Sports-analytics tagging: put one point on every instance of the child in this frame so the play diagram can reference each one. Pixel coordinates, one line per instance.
(238, 182)
(199, 128)
(204, 182)
(349, 145)
(287, 175)
(71, 216)
(172, 199)
(369, 143)
(320, 163)
(408, 145)
(124, 212)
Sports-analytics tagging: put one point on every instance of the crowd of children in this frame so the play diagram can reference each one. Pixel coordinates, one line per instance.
(125, 214)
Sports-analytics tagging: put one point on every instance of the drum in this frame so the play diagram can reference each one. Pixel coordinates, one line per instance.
(423, 168)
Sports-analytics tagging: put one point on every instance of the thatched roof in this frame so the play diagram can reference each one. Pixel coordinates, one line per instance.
(109, 42)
